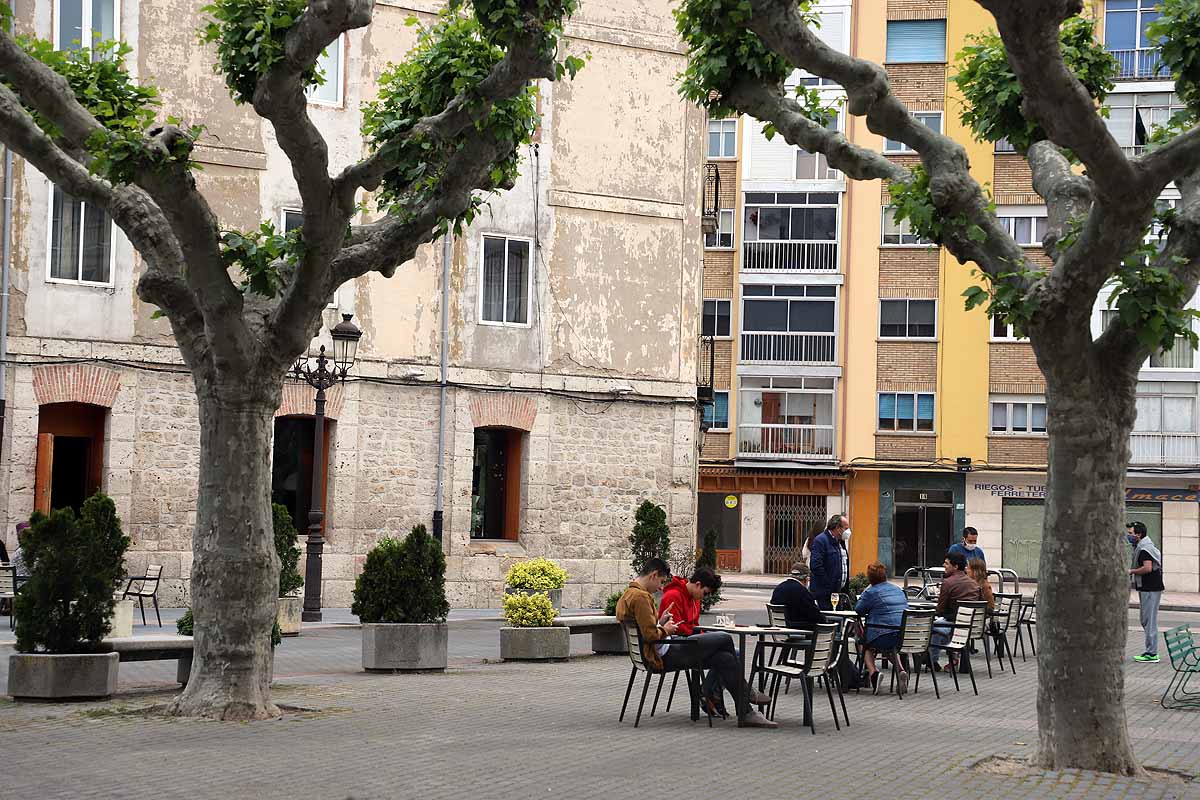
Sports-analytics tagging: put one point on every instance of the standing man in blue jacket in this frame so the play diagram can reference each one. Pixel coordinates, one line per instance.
(969, 547)
(829, 561)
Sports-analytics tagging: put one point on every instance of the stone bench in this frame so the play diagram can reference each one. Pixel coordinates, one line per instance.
(607, 635)
(159, 647)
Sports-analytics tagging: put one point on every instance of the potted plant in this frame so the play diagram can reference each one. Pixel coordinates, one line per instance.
(531, 634)
(537, 576)
(63, 611)
(708, 558)
(651, 536)
(287, 538)
(400, 598)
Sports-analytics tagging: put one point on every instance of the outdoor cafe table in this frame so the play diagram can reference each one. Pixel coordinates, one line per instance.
(762, 632)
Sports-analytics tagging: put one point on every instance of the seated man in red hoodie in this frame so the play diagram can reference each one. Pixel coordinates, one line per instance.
(682, 598)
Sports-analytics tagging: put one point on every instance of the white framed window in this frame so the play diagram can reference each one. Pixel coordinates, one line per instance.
(505, 281)
(1018, 415)
(907, 319)
(79, 246)
(1005, 146)
(788, 417)
(722, 138)
(716, 318)
(1166, 407)
(904, 411)
(899, 233)
(1003, 332)
(1026, 224)
(332, 64)
(716, 414)
(1132, 118)
(814, 166)
(1180, 356)
(930, 119)
(916, 41)
(832, 29)
(81, 23)
(1126, 38)
(723, 238)
(291, 219)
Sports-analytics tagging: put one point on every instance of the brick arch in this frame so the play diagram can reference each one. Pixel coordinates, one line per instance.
(76, 383)
(504, 410)
(300, 399)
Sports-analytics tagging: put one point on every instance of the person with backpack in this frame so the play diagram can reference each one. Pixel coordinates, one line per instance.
(1146, 572)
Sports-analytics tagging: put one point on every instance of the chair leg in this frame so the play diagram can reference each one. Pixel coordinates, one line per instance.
(674, 683)
(657, 692)
(932, 675)
(917, 675)
(808, 693)
(774, 696)
(1008, 649)
(156, 614)
(833, 708)
(842, 700)
(1032, 639)
(954, 674)
(974, 685)
(1021, 643)
(628, 689)
(142, 605)
(645, 689)
(987, 654)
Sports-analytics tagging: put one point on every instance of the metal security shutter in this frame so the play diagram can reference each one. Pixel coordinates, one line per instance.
(916, 41)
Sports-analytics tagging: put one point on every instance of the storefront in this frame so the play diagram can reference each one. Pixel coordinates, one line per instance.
(1007, 509)
(920, 516)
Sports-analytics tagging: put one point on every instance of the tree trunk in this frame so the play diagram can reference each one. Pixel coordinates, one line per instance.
(235, 570)
(1083, 587)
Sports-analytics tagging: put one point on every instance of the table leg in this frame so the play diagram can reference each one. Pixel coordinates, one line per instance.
(760, 656)
(743, 688)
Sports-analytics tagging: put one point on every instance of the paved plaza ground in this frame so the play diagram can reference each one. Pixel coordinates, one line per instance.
(495, 730)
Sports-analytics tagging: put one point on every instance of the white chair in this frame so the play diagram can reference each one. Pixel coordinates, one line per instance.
(8, 582)
(816, 659)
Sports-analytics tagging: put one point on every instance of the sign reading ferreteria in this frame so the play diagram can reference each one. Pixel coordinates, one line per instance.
(1038, 492)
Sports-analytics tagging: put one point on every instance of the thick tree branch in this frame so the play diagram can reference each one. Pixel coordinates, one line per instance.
(1177, 157)
(1068, 196)
(48, 93)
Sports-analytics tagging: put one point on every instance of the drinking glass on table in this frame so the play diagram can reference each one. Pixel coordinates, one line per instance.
(834, 599)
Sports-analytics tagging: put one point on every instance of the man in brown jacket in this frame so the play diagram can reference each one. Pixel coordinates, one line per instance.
(706, 651)
(957, 585)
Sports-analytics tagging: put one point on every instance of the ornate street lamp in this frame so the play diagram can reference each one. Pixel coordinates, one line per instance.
(321, 375)
(710, 211)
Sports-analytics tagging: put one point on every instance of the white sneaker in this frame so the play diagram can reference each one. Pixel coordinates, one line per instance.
(758, 698)
(755, 719)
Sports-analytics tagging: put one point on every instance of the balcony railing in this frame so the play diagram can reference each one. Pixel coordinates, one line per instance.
(790, 348)
(1143, 63)
(790, 256)
(786, 441)
(1165, 449)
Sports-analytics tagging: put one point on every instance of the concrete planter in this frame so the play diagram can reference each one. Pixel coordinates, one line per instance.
(555, 594)
(287, 614)
(46, 676)
(610, 642)
(122, 619)
(404, 647)
(535, 644)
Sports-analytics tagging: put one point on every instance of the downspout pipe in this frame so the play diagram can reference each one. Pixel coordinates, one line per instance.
(5, 264)
(438, 510)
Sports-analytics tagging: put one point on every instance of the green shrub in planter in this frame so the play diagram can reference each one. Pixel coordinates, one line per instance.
(536, 575)
(858, 584)
(287, 545)
(185, 626)
(610, 603)
(403, 581)
(708, 558)
(651, 537)
(75, 565)
(528, 610)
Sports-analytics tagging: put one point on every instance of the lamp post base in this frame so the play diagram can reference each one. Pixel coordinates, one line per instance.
(310, 616)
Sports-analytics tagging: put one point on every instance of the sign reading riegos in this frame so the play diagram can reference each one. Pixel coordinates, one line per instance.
(1037, 491)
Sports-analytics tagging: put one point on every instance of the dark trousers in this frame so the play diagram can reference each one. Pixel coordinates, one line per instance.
(715, 652)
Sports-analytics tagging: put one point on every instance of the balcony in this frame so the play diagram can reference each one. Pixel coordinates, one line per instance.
(786, 441)
(789, 348)
(1165, 449)
(790, 256)
(1140, 64)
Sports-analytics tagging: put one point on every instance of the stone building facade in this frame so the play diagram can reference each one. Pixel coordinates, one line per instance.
(557, 426)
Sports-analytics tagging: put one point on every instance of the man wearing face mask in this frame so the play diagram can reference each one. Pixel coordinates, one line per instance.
(830, 561)
(1147, 579)
(968, 547)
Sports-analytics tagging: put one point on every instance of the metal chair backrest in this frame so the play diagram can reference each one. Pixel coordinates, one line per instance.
(633, 639)
(8, 579)
(1006, 604)
(777, 615)
(820, 652)
(1181, 647)
(916, 629)
(967, 621)
(147, 585)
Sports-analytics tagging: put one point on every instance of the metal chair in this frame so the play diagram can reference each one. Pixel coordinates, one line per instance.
(633, 639)
(916, 633)
(968, 627)
(1185, 660)
(1004, 618)
(147, 587)
(1027, 620)
(817, 660)
(8, 591)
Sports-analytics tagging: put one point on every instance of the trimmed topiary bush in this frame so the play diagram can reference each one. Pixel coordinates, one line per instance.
(528, 610)
(708, 558)
(287, 545)
(403, 581)
(75, 565)
(536, 575)
(651, 537)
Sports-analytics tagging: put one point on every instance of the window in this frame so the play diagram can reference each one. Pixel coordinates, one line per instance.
(1021, 526)
(790, 231)
(1125, 23)
(907, 319)
(930, 119)
(786, 417)
(1018, 414)
(897, 233)
(905, 412)
(1181, 356)
(794, 324)
(716, 318)
(80, 241)
(291, 219)
(724, 235)
(1028, 230)
(1166, 407)
(722, 138)
(832, 30)
(505, 278)
(80, 23)
(1132, 118)
(1005, 146)
(916, 41)
(716, 414)
(1003, 332)
(496, 484)
(330, 64)
(814, 166)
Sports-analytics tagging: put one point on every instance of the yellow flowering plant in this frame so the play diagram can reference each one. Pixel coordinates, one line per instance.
(536, 574)
(528, 610)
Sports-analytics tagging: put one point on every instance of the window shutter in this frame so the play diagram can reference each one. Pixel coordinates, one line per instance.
(887, 406)
(925, 406)
(916, 41)
(771, 160)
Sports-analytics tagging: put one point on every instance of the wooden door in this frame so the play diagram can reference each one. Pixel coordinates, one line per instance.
(43, 472)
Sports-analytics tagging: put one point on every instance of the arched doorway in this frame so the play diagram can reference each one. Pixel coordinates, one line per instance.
(70, 455)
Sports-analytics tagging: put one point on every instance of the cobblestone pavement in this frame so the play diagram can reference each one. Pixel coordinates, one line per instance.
(495, 730)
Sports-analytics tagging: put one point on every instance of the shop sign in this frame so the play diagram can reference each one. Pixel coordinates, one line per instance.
(731, 501)
(1011, 490)
(1137, 495)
